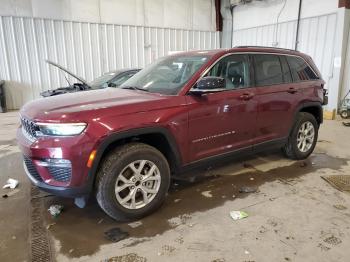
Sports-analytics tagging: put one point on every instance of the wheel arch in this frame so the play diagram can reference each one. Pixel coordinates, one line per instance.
(158, 137)
(314, 108)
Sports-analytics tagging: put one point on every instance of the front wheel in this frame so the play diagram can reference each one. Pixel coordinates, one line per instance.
(132, 182)
(303, 137)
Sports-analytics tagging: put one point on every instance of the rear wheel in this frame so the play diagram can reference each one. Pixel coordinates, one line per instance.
(132, 181)
(344, 114)
(303, 137)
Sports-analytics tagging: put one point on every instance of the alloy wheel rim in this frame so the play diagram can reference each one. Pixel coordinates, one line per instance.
(137, 184)
(306, 136)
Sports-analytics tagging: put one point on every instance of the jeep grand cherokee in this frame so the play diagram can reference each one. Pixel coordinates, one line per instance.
(123, 145)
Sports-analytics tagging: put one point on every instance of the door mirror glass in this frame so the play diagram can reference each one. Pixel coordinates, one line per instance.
(209, 84)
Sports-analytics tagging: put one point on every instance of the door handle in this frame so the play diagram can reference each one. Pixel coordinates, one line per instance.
(246, 96)
(292, 90)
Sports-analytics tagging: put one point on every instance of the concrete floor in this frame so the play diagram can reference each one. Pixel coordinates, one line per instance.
(292, 217)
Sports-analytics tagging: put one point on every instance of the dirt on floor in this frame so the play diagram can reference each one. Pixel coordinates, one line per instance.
(293, 214)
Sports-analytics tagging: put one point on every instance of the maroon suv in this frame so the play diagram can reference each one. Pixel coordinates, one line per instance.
(123, 145)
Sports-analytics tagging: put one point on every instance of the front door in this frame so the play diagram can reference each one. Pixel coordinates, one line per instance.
(224, 121)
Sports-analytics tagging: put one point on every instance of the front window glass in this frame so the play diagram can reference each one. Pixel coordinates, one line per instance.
(168, 74)
(234, 69)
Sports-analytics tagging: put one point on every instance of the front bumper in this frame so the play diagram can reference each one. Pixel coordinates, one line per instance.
(75, 192)
(75, 181)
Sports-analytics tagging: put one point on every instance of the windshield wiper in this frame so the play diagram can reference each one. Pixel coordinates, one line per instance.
(134, 88)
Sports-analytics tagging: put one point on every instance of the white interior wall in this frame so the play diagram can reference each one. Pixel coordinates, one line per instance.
(184, 14)
(260, 13)
(92, 37)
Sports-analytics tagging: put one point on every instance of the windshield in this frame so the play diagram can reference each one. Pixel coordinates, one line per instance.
(99, 81)
(167, 75)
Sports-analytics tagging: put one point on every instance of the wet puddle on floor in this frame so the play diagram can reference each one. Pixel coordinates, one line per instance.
(81, 231)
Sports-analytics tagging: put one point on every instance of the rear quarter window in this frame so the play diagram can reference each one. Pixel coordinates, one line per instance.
(301, 71)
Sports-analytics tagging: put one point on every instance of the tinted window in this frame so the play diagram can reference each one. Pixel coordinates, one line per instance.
(301, 71)
(268, 70)
(234, 69)
(287, 77)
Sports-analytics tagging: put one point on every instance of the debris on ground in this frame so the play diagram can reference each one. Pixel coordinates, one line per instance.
(303, 164)
(340, 207)
(248, 189)
(251, 179)
(207, 193)
(177, 200)
(346, 124)
(236, 215)
(115, 234)
(55, 210)
(100, 221)
(11, 193)
(71, 251)
(135, 224)
(11, 183)
(50, 225)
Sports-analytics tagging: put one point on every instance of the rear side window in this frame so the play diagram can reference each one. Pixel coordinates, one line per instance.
(287, 77)
(268, 70)
(301, 71)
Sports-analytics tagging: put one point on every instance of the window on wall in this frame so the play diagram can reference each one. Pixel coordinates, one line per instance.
(268, 70)
(234, 69)
(301, 71)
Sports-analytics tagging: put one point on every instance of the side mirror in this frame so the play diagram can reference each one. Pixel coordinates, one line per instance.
(112, 85)
(209, 84)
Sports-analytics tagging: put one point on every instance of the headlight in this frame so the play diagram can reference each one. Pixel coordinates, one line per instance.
(51, 129)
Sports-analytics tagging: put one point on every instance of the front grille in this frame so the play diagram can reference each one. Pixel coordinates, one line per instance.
(62, 174)
(29, 127)
(32, 169)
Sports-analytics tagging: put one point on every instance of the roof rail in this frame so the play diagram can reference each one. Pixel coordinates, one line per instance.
(267, 47)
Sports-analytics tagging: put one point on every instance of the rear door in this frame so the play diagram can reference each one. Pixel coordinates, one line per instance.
(277, 97)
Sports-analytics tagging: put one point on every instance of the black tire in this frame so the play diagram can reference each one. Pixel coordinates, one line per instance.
(113, 165)
(344, 114)
(291, 149)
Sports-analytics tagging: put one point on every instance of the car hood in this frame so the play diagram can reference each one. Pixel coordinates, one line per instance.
(74, 106)
(67, 71)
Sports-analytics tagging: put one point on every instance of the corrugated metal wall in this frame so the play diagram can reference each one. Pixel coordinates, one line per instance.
(88, 49)
(316, 38)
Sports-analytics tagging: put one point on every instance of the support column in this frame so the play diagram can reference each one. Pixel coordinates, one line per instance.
(340, 46)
